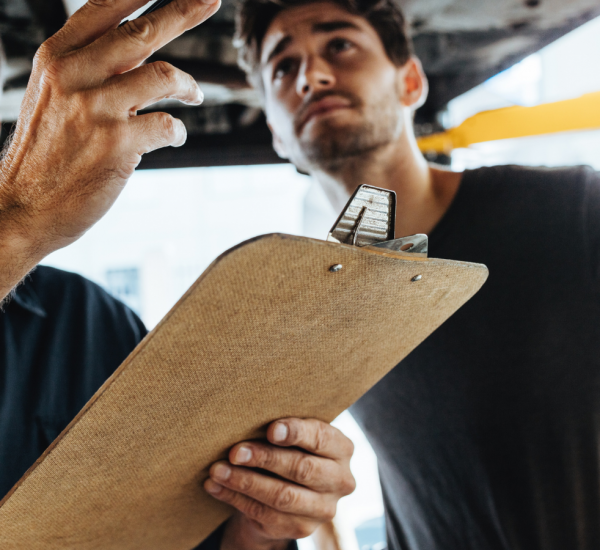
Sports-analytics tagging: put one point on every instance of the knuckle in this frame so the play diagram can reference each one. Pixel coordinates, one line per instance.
(54, 69)
(165, 72)
(302, 531)
(257, 511)
(304, 468)
(43, 53)
(322, 438)
(137, 30)
(245, 483)
(349, 447)
(285, 498)
(104, 3)
(230, 497)
(185, 9)
(260, 456)
(267, 458)
(167, 123)
(348, 485)
(329, 513)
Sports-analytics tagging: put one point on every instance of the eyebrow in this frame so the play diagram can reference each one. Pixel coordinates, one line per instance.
(281, 45)
(330, 26)
(317, 28)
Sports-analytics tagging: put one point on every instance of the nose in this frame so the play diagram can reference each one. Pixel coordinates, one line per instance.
(314, 75)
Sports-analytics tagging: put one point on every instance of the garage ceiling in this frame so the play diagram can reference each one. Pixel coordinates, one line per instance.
(462, 43)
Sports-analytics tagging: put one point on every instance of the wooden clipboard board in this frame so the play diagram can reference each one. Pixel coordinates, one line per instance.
(268, 331)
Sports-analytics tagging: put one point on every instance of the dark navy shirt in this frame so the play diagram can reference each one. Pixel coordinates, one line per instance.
(488, 434)
(61, 337)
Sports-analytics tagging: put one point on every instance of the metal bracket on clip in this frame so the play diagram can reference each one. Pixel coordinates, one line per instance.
(369, 219)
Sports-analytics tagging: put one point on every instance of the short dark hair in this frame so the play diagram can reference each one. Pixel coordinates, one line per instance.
(255, 16)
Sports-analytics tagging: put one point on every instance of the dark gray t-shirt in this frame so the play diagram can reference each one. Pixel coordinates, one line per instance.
(488, 434)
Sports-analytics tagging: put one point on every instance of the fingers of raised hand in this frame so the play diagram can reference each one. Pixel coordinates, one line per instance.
(312, 435)
(274, 524)
(156, 130)
(319, 474)
(277, 494)
(128, 46)
(150, 83)
(91, 21)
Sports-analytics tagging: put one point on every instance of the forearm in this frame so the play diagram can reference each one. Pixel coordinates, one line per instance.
(24, 241)
(218, 541)
(18, 256)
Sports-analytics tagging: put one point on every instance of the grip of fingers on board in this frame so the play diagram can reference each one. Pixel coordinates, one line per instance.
(268, 331)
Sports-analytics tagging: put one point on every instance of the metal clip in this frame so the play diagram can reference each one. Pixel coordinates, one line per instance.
(369, 220)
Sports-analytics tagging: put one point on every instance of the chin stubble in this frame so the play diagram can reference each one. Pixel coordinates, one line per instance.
(335, 146)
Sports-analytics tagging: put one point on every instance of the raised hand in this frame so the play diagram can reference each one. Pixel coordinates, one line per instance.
(79, 138)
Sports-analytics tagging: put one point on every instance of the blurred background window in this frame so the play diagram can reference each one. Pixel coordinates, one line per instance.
(559, 71)
(124, 284)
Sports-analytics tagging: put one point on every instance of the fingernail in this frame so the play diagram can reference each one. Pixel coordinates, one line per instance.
(243, 455)
(280, 433)
(222, 472)
(199, 95)
(212, 487)
(209, 1)
(182, 135)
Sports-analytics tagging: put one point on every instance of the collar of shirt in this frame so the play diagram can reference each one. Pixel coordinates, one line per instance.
(26, 297)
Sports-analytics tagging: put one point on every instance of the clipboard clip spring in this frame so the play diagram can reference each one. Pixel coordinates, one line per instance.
(369, 220)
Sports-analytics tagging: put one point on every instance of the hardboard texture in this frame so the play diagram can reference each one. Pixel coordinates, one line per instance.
(267, 332)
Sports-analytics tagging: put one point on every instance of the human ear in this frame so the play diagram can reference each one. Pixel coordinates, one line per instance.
(415, 86)
(278, 144)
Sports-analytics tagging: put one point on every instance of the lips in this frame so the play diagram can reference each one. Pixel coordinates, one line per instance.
(323, 106)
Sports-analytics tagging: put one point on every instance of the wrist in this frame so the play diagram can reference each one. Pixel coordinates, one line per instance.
(28, 231)
(19, 254)
(255, 544)
(240, 534)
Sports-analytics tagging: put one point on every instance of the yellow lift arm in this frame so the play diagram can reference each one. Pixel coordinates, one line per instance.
(582, 113)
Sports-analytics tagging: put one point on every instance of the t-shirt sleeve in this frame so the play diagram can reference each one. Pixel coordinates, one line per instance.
(137, 327)
(592, 220)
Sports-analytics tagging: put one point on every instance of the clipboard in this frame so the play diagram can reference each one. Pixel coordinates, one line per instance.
(278, 326)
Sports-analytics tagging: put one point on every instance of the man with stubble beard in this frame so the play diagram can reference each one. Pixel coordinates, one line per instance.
(487, 434)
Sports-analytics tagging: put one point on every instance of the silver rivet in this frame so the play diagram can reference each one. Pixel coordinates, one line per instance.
(335, 268)
(417, 278)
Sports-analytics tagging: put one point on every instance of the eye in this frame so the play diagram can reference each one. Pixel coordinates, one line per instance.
(339, 45)
(283, 68)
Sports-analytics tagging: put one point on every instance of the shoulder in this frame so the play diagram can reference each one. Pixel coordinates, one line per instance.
(563, 180)
(71, 297)
(53, 284)
(557, 194)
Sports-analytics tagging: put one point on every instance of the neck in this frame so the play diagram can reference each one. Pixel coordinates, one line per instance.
(424, 192)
